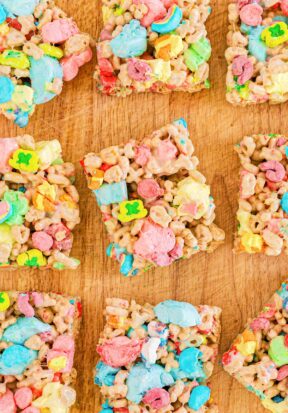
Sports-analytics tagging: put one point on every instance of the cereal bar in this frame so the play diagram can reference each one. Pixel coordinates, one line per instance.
(263, 198)
(153, 46)
(258, 358)
(37, 346)
(157, 358)
(38, 204)
(154, 202)
(256, 53)
(40, 47)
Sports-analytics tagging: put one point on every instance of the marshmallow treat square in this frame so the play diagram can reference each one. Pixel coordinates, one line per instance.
(40, 48)
(262, 216)
(153, 46)
(258, 357)
(38, 333)
(159, 357)
(38, 205)
(256, 53)
(154, 202)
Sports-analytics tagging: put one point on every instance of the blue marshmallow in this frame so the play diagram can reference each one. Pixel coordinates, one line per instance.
(23, 329)
(42, 72)
(190, 360)
(15, 359)
(3, 17)
(177, 312)
(143, 378)
(198, 397)
(131, 42)
(284, 202)
(111, 193)
(105, 375)
(20, 7)
(6, 88)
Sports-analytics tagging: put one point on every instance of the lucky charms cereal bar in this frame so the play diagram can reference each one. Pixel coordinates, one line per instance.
(157, 358)
(37, 345)
(38, 204)
(40, 47)
(154, 202)
(258, 358)
(153, 46)
(256, 53)
(263, 199)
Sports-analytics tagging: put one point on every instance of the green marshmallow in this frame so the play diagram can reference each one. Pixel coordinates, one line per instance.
(278, 352)
(197, 53)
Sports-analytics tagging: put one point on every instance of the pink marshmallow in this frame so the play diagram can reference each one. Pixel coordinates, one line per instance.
(243, 68)
(38, 299)
(64, 343)
(42, 241)
(166, 151)
(23, 397)
(156, 11)
(157, 398)
(275, 171)
(281, 141)
(7, 147)
(154, 238)
(71, 64)
(63, 346)
(251, 14)
(119, 351)
(155, 244)
(149, 188)
(24, 306)
(7, 403)
(260, 323)
(31, 409)
(142, 155)
(58, 31)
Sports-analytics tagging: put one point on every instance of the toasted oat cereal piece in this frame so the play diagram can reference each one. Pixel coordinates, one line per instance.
(37, 346)
(154, 202)
(38, 204)
(158, 358)
(258, 358)
(40, 47)
(256, 53)
(153, 46)
(263, 198)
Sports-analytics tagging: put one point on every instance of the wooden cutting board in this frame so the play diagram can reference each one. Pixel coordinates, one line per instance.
(84, 121)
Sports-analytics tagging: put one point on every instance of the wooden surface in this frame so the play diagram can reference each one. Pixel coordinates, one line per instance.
(84, 121)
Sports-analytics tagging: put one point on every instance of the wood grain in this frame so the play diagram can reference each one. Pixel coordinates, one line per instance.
(84, 121)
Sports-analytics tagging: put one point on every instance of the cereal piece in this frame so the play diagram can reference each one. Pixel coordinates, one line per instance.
(37, 353)
(38, 205)
(158, 358)
(262, 211)
(153, 46)
(40, 47)
(256, 53)
(154, 202)
(258, 357)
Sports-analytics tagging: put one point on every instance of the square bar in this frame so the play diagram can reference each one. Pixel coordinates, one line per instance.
(37, 346)
(258, 358)
(154, 202)
(40, 48)
(157, 358)
(153, 46)
(263, 198)
(256, 53)
(38, 205)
